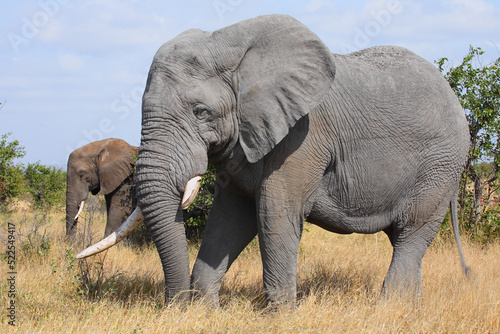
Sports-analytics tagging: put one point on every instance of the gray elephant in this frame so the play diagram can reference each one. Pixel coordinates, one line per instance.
(359, 143)
(106, 167)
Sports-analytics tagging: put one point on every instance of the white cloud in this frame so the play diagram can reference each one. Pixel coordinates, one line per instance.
(316, 5)
(474, 6)
(71, 62)
(469, 16)
(100, 26)
(52, 32)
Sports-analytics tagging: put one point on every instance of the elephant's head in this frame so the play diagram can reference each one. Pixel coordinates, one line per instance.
(98, 167)
(207, 93)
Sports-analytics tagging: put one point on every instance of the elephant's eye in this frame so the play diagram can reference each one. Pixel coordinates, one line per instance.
(201, 111)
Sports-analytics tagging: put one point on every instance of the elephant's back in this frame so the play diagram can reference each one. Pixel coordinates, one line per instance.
(391, 92)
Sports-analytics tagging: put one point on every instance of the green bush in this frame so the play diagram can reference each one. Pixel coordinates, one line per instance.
(477, 87)
(200, 208)
(45, 185)
(11, 175)
(483, 230)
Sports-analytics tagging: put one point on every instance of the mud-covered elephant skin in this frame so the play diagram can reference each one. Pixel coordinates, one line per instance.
(358, 143)
(105, 167)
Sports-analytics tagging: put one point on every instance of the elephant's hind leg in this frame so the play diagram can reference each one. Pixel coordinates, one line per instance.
(410, 244)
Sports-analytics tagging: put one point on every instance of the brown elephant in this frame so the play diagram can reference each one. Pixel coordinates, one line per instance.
(105, 167)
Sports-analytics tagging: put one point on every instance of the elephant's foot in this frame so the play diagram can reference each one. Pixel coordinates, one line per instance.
(210, 300)
(281, 298)
(180, 299)
(207, 294)
(407, 287)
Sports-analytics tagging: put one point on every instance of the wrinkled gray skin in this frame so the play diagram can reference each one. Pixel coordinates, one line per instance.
(106, 167)
(358, 143)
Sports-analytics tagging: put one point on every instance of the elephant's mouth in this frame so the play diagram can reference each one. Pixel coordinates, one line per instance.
(95, 190)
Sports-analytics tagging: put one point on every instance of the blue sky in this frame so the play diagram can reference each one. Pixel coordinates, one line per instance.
(73, 71)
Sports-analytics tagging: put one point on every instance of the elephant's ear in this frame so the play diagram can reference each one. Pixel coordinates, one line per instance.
(285, 73)
(114, 164)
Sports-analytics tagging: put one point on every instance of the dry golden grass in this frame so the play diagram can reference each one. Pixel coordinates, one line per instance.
(339, 280)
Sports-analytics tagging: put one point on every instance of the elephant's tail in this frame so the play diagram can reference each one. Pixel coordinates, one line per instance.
(454, 219)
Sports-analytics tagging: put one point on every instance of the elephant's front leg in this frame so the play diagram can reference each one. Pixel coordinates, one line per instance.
(231, 226)
(120, 204)
(280, 227)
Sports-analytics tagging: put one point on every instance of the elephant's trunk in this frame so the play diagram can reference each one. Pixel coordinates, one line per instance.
(166, 162)
(71, 222)
(74, 206)
(160, 205)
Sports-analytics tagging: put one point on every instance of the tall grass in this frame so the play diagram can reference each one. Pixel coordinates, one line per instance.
(339, 280)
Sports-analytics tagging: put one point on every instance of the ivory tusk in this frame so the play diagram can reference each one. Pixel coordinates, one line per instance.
(79, 210)
(190, 192)
(121, 233)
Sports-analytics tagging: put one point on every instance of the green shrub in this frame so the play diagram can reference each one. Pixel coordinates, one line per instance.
(45, 185)
(477, 87)
(489, 227)
(11, 175)
(195, 225)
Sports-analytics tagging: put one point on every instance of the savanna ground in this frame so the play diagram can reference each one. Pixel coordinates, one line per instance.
(339, 280)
